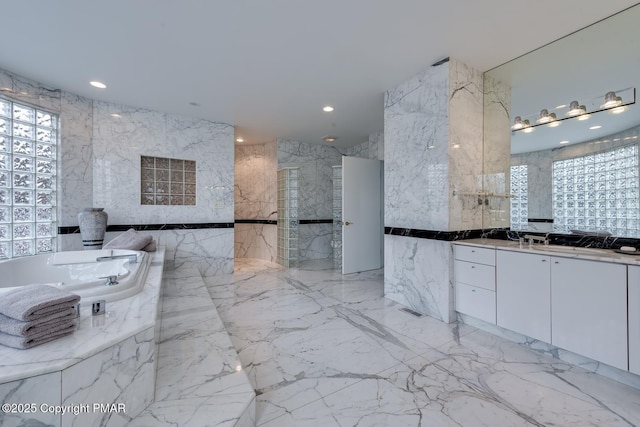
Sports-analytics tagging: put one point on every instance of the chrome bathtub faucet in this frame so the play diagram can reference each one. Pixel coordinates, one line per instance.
(132, 258)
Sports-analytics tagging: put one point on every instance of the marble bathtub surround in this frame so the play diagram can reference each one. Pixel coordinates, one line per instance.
(167, 181)
(325, 349)
(109, 358)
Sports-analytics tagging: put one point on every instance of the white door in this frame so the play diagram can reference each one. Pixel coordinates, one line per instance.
(362, 228)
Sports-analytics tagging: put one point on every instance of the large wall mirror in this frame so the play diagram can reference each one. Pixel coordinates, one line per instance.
(579, 174)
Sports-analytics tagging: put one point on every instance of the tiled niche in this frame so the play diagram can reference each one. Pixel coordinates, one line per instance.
(167, 181)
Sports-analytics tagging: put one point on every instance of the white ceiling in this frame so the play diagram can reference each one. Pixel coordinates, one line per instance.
(269, 67)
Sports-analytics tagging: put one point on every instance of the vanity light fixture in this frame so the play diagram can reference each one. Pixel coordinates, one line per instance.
(239, 140)
(575, 109)
(611, 100)
(527, 128)
(98, 84)
(327, 108)
(329, 138)
(517, 123)
(545, 117)
(554, 122)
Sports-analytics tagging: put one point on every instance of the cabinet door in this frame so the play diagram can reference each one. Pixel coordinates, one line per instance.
(523, 293)
(634, 319)
(589, 309)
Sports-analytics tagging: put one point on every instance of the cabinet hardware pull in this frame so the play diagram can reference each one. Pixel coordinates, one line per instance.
(473, 266)
(543, 260)
(557, 262)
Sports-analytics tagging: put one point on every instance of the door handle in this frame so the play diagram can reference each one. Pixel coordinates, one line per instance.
(347, 223)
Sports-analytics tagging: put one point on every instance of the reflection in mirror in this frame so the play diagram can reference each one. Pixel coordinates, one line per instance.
(572, 173)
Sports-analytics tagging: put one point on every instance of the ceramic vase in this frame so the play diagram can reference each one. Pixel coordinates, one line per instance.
(93, 224)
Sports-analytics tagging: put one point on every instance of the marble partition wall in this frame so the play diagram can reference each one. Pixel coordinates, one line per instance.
(497, 152)
(255, 201)
(315, 194)
(433, 129)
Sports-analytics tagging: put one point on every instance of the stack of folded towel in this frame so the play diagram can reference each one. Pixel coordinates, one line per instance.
(132, 240)
(35, 314)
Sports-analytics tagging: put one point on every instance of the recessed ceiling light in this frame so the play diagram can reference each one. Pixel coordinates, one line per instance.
(564, 142)
(98, 84)
(327, 108)
(239, 140)
(115, 115)
(329, 138)
(595, 127)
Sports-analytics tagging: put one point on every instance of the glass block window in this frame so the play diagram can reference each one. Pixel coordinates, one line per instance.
(28, 142)
(519, 188)
(167, 181)
(598, 192)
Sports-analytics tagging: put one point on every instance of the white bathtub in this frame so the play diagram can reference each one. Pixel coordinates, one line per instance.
(79, 272)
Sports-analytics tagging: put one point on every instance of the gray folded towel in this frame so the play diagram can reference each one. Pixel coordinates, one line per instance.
(12, 326)
(28, 342)
(151, 247)
(33, 302)
(130, 239)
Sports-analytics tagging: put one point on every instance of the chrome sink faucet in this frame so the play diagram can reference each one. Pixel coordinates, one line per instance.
(533, 238)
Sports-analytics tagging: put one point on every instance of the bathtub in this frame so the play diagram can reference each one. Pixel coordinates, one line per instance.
(79, 272)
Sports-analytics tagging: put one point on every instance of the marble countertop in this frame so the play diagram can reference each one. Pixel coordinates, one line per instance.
(594, 254)
(123, 319)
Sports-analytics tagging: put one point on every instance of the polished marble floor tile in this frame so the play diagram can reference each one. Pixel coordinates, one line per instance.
(322, 349)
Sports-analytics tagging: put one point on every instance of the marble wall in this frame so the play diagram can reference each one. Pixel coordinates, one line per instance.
(372, 149)
(255, 199)
(540, 167)
(315, 193)
(99, 165)
(433, 141)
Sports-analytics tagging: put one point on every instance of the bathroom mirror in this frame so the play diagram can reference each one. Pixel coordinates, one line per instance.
(592, 186)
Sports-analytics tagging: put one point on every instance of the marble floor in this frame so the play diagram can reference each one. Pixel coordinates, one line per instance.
(322, 349)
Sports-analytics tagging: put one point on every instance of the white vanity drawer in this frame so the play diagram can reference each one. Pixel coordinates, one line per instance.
(477, 302)
(475, 254)
(471, 273)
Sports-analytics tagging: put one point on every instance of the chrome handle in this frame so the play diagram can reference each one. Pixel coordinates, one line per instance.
(347, 223)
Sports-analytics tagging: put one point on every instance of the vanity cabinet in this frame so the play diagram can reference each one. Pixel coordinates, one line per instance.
(523, 297)
(475, 282)
(589, 309)
(634, 318)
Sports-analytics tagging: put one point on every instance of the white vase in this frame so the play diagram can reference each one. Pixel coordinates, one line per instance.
(93, 224)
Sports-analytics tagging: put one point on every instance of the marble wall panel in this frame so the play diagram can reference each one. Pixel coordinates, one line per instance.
(256, 241)
(124, 373)
(255, 181)
(372, 149)
(497, 151)
(43, 389)
(314, 241)
(417, 274)
(416, 139)
(315, 163)
(465, 145)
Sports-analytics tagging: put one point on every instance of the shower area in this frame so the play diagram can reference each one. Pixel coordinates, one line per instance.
(287, 201)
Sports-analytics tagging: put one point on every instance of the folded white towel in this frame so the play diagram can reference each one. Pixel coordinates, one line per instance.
(28, 342)
(32, 302)
(130, 239)
(33, 328)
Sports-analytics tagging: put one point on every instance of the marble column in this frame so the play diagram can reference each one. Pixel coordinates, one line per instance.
(433, 142)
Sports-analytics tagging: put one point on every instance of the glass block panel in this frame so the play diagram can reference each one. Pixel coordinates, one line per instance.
(44, 166)
(45, 150)
(45, 135)
(23, 113)
(22, 231)
(44, 245)
(5, 215)
(22, 214)
(5, 108)
(22, 163)
(5, 232)
(22, 197)
(5, 250)
(43, 230)
(5, 144)
(4, 179)
(5, 162)
(44, 214)
(5, 126)
(45, 198)
(23, 248)
(44, 119)
(21, 130)
(44, 182)
(21, 146)
(22, 180)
